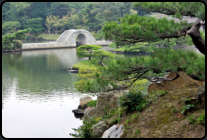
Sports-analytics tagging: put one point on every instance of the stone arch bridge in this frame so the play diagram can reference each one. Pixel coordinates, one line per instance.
(67, 39)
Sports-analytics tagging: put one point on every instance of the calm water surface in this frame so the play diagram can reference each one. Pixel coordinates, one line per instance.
(38, 94)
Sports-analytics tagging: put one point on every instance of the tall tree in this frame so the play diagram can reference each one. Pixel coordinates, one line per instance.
(56, 23)
(35, 24)
(38, 9)
(59, 8)
(49, 22)
(5, 9)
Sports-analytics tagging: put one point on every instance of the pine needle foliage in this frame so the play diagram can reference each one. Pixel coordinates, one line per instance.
(11, 38)
(87, 51)
(133, 28)
(142, 67)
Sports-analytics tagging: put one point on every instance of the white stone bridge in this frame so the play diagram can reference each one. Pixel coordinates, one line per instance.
(66, 40)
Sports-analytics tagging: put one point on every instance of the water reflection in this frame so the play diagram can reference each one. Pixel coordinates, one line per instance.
(38, 94)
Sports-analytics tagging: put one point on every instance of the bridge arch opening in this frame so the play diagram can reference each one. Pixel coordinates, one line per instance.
(81, 38)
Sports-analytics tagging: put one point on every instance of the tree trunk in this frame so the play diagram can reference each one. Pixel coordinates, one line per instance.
(194, 33)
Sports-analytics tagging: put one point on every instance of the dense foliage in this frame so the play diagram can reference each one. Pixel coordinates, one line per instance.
(72, 15)
(101, 54)
(142, 67)
(87, 51)
(84, 131)
(12, 40)
(134, 28)
(133, 101)
(92, 51)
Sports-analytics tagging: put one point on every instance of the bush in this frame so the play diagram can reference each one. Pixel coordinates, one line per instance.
(27, 37)
(40, 37)
(32, 36)
(85, 131)
(59, 32)
(133, 101)
(17, 44)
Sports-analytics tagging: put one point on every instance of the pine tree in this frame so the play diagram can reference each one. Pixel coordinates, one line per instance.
(87, 51)
(134, 28)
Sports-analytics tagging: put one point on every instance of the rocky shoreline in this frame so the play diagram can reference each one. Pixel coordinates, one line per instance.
(109, 100)
(11, 51)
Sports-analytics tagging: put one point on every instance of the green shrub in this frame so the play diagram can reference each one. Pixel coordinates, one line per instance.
(40, 37)
(7, 45)
(192, 119)
(133, 101)
(92, 103)
(17, 43)
(84, 131)
(174, 110)
(201, 119)
(27, 37)
(59, 32)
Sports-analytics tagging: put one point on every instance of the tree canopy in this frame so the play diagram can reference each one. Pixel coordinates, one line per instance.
(101, 54)
(72, 15)
(87, 51)
(133, 28)
(10, 38)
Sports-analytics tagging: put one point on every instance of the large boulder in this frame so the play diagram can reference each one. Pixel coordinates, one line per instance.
(106, 101)
(114, 132)
(182, 81)
(98, 129)
(84, 101)
(200, 96)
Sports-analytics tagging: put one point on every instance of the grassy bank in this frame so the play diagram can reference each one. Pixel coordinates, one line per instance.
(163, 117)
(86, 64)
(49, 36)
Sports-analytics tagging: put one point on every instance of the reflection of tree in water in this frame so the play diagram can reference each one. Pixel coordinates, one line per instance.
(37, 76)
(52, 61)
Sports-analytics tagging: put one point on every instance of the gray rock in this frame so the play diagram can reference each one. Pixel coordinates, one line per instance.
(106, 100)
(72, 70)
(88, 109)
(99, 129)
(110, 86)
(201, 95)
(114, 132)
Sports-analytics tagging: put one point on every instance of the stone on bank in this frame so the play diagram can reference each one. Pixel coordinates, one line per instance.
(114, 132)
